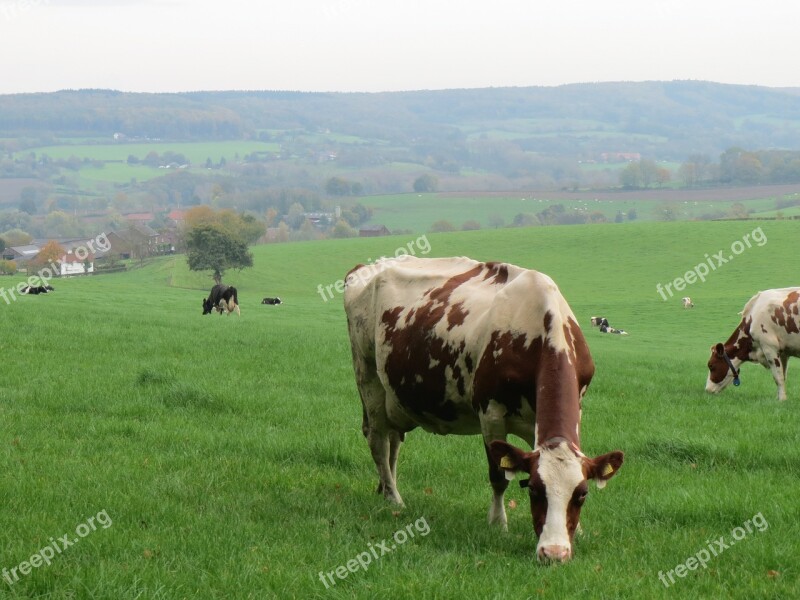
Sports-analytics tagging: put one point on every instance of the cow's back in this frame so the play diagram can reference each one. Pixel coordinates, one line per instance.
(443, 335)
(773, 319)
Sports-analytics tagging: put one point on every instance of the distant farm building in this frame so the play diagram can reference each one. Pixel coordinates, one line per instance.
(79, 263)
(374, 231)
(21, 254)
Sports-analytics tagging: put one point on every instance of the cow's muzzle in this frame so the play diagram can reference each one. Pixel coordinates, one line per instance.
(549, 554)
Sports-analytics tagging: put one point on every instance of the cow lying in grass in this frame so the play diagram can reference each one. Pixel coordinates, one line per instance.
(602, 323)
(37, 289)
(222, 299)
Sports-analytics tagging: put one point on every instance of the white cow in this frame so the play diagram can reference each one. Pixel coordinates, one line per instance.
(768, 334)
(456, 346)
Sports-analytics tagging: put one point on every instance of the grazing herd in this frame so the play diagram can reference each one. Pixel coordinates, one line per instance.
(456, 346)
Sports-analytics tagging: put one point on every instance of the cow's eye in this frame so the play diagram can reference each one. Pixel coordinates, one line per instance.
(710, 368)
(581, 497)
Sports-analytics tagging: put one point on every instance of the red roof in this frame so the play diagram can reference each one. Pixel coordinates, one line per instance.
(177, 215)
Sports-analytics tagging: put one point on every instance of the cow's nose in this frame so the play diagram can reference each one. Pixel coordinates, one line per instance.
(554, 553)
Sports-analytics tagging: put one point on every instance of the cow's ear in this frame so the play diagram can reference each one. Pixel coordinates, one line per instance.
(604, 467)
(511, 459)
(720, 350)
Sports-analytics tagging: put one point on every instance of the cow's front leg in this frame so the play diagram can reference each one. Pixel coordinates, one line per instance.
(497, 477)
(777, 366)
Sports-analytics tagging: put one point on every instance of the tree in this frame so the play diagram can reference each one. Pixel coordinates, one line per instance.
(51, 252)
(342, 229)
(631, 176)
(2, 244)
(8, 267)
(27, 201)
(470, 225)
(210, 247)
(16, 237)
(338, 186)
(426, 183)
(495, 220)
(441, 226)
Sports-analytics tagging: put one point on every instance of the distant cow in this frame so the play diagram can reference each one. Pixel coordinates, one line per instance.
(38, 289)
(271, 301)
(602, 323)
(768, 334)
(687, 302)
(222, 298)
(462, 347)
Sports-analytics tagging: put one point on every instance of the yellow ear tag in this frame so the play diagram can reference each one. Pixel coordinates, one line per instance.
(506, 462)
(608, 470)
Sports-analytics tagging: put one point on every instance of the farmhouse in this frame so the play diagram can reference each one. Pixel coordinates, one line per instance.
(76, 264)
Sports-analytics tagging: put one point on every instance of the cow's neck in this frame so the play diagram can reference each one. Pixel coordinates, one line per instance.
(739, 346)
(558, 419)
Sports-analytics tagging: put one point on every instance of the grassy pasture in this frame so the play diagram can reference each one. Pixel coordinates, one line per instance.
(196, 152)
(417, 212)
(228, 454)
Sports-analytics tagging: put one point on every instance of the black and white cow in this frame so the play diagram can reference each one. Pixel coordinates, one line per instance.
(272, 301)
(37, 289)
(457, 346)
(602, 323)
(222, 298)
(768, 334)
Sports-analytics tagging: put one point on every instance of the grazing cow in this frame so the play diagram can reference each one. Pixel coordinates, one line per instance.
(272, 301)
(687, 302)
(457, 346)
(602, 323)
(768, 334)
(222, 298)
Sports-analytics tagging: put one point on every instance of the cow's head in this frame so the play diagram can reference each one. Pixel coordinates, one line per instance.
(208, 306)
(722, 369)
(556, 476)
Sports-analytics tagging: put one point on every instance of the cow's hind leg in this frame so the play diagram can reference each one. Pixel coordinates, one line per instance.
(497, 509)
(380, 444)
(384, 442)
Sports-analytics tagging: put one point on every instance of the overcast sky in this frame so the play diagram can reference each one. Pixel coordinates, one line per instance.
(376, 45)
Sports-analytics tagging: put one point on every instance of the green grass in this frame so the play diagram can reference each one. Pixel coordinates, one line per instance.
(228, 453)
(417, 212)
(196, 152)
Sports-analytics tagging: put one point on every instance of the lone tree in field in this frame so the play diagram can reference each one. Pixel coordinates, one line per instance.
(212, 247)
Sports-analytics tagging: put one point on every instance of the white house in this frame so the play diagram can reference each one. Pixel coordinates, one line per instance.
(77, 264)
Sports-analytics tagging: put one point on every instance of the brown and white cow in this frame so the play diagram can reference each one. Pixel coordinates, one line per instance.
(457, 346)
(768, 334)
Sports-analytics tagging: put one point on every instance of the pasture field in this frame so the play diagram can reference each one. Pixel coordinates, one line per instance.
(417, 212)
(220, 457)
(196, 152)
